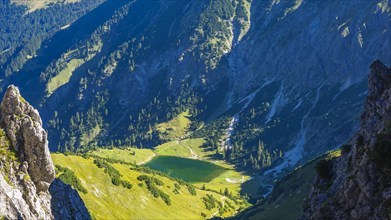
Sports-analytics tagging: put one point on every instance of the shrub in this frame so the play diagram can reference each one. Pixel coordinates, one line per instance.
(191, 190)
(142, 177)
(60, 168)
(151, 183)
(177, 186)
(126, 184)
(158, 182)
(69, 177)
(85, 156)
(165, 198)
(26, 178)
(116, 181)
(113, 173)
(323, 169)
(226, 193)
(210, 202)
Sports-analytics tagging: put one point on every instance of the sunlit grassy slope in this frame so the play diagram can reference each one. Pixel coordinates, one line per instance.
(230, 179)
(182, 148)
(175, 128)
(37, 4)
(64, 76)
(107, 201)
(130, 155)
(287, 198)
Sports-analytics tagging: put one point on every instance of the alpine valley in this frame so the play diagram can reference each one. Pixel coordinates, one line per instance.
(195, 109)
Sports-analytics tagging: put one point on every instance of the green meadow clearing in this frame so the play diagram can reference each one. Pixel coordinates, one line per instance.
(104, 200)
(179, 163)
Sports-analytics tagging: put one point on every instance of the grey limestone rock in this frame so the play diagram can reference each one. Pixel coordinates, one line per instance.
(26, 169)
(361, 183)
(23, 126)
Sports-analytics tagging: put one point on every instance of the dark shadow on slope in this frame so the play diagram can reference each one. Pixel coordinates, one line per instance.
(61, 41)
(66, 202)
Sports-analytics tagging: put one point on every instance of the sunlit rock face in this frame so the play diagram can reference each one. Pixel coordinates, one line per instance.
(25, 177)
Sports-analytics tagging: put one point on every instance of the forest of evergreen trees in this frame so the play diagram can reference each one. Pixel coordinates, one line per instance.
(22, 33)
(86, 128)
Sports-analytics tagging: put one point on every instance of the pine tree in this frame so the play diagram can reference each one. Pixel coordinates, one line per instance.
(226, 192)
(252, 161)
(261, 148)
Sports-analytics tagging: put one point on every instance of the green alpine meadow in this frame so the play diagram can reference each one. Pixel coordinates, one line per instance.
(196, 109)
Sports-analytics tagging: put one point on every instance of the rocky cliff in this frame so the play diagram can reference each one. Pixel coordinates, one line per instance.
(66, 202)
(26, 168)
(358, 185)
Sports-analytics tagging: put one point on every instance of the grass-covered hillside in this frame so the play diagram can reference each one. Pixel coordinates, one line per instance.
(289, 194)
(135, 156)
(181, 143)
(150, 195)
(123, 188)
(175, 128)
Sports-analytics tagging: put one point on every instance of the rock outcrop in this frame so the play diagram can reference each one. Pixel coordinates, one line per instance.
(359, 186)
(26, 167)
(66, 202)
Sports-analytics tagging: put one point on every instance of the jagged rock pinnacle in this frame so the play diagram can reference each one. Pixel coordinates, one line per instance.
(23, 126)
(360, 187)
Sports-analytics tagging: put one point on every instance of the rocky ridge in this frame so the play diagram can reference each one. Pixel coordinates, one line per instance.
(26, 168)
(359, 183)
(66, 202)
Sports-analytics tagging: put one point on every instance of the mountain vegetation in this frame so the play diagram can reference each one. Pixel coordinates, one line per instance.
(289, 194)
(22, 32)
(35, 5)
(69, 177)
(153, 195)
(116, 92)
(198, 106)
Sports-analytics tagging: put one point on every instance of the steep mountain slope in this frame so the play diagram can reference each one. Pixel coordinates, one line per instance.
(289, 194)
(307, 61)
(354, 186)
(289, 73)
(357, 186)
(66, 202)
(23, 29)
